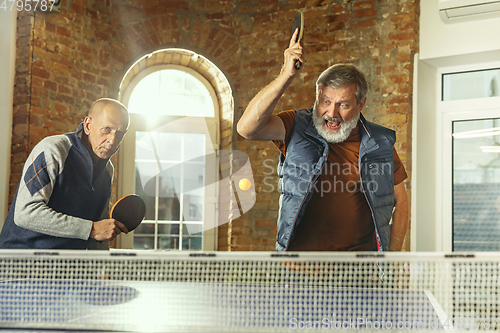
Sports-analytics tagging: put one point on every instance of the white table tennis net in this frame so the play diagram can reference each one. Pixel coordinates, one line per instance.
(248, 291)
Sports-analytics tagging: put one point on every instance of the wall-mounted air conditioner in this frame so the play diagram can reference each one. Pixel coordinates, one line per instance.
(466, 10)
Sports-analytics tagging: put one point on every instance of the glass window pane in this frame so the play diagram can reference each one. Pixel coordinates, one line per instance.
(194, 146)
(189, 228)
(466, 85)
(194, 87)
(169, 179)
(193, 208)
(172, 82)
(145, 229)
(149, 200)
(476, 185)
(171, 92)
(169, 146)
(169, 209)
(194, 193)
(144, 243)
(198, 106)
(168, 243)
(192, 243)
(194, 179)
(146, 169)
(168, 229)
(143, 147)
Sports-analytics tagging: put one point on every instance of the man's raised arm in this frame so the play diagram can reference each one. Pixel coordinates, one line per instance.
(258, 122)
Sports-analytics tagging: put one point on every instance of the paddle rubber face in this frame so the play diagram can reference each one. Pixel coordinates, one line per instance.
(298, 23)
(129, 210)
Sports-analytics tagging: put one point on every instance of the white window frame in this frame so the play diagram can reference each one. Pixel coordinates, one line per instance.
(208, 126)
(447, 113)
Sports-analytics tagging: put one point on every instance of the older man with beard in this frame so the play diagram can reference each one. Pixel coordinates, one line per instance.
(341, 180)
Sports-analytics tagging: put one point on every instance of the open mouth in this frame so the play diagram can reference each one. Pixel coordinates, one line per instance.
(333, 125)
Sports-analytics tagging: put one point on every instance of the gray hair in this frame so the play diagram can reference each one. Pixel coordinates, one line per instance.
(339, 75)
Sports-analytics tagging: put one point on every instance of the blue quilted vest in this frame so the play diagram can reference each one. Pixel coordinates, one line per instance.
(305, 158)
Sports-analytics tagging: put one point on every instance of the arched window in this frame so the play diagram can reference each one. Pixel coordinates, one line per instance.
(169, 155)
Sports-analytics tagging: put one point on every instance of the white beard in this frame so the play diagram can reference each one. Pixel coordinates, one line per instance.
(334, 136)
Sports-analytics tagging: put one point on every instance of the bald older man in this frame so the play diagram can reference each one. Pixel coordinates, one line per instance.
(62, 201)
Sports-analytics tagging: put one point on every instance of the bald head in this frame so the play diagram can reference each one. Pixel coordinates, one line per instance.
(99, 105)
(104, 127)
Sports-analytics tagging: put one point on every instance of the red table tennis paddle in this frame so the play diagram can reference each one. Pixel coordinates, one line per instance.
(298, 23)
(129, 210)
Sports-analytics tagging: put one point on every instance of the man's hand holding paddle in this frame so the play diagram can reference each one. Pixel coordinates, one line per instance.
(126, 215)
(107, 230)
(295, 49)
(294, 56)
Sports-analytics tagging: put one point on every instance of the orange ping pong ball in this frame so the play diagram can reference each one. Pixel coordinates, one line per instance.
(245, 184)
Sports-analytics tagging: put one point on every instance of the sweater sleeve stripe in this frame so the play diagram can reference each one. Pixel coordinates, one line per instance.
(36, 176)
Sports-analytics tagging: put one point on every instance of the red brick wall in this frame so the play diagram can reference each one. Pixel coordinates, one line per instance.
(67, 60)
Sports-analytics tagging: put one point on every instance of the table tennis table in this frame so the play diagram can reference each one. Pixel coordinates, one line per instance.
(158, 291)
(145, 306)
